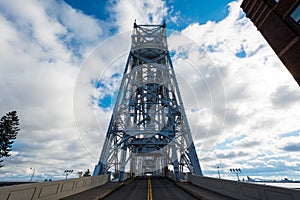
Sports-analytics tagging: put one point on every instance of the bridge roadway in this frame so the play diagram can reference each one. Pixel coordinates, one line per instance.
(148, 188)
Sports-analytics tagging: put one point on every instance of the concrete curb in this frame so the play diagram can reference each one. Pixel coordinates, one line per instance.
(108, 192)
(191, 192)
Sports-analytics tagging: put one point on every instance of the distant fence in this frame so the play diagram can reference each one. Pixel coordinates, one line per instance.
(52, 190)
(243, 190)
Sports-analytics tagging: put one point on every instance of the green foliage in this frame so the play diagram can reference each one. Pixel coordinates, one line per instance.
(87, 173)
(9, 127)
(79, 174)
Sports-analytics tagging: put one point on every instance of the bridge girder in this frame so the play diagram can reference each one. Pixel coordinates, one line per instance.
(148, 120)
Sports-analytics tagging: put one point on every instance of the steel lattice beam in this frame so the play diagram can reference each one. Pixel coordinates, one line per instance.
(148, 125)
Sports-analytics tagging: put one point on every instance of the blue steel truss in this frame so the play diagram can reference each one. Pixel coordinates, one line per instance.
(148, 129)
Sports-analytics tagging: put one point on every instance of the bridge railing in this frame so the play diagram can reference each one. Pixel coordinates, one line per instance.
(243, 190)
(53, 189)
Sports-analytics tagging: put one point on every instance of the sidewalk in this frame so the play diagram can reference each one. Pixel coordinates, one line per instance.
(96, 193)
(201, 193)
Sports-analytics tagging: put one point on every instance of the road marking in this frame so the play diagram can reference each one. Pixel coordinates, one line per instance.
(149, 189)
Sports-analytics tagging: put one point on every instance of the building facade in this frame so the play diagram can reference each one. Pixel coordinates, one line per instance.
(279, 23)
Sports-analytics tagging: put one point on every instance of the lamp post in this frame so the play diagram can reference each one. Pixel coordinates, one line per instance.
(32, 173)
(237, 172)
(218, 171)
(67, 172)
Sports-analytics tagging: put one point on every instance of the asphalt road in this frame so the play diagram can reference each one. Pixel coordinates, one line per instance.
(148, 188)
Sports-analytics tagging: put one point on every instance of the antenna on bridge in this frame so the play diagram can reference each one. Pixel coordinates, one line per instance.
(148, 129)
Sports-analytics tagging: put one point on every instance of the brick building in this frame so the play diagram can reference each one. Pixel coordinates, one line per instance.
(279, 23)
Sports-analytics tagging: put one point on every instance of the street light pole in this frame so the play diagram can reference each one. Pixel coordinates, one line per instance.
(237, 172)
(218, 172)
(32, 174)
(67, 172)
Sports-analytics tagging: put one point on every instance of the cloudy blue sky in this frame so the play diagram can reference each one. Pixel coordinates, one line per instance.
(61, 64)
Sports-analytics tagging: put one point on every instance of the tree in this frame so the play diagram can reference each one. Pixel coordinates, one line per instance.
(9, 127)
(87, 173)
(79, 174)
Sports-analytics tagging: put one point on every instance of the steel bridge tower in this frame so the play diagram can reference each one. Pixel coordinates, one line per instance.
(148, 129)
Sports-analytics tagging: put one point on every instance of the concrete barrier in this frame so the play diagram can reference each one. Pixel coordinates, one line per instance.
(244, 190)
(52, 190)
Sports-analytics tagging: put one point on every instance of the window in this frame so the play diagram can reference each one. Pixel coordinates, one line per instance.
(296, 14)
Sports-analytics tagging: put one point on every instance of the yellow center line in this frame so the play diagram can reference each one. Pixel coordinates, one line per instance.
(149, 189)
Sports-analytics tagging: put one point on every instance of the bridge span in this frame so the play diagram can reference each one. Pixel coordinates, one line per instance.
(152, 187)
